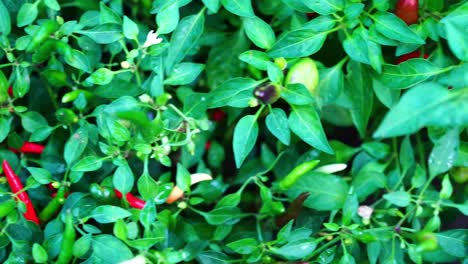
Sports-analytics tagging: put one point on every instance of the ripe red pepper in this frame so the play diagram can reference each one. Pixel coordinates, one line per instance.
(407, 10)
(411, 55)
(10, 91)
(207, 145)
(133, 201)
(29, 147)
(17, 188)
(218, 115)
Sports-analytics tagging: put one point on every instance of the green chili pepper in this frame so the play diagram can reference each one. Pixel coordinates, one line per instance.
(69, 236)
(44, 31)
(54, 205)
(101, 193)
(44, 51)
(66, 116)
(296, 174)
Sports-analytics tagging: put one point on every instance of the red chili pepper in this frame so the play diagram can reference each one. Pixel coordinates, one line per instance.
(218, 115)
(411, 55)
(407, 10)
(207, 145)
(10, 91)
(17, 188)
(133, 201)
(29, 147)
(311, 15)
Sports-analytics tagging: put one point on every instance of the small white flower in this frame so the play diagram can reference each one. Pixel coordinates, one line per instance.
(365, 212)
(136, 260)
(152, 39)
(125, 64)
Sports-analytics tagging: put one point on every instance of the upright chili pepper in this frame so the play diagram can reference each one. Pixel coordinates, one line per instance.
(17, 188)
(133, 201)
(10, 91)
(218, 115)
(69, 236)
(407, 10)
(29, 147)
(54, 205)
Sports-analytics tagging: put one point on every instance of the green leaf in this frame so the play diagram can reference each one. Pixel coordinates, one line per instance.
(31, 121)
(243, 246)
(130, 28)
(427, 104)
(331, 83)
(78, 59)
(408, 73)
(367, 181)
(388, 97)
(325, 7)
(27, 14)
(184, 73)
(241, 8)
(107, 248)
(184, 38)
(41, 175)
(455, 31)
(75, 145)
(327, 192)
(104, 33)
(223, 215)
(108, 214)
(5, 21)
(234, 92)
(305, 122)
(123, 179)
(361, 96)
(168, 17)
(39, 253)
(258, 59)
(4, 128)
(454, 242)
(398, 198)
(393, 27)
(245, 136)
(259, 32)
(296, 250)
(444, 153)
(89, 163)
(297, 94)
(275, 74)
(277, 124)
(147, 187)
(183, 180)
(298, 43)
(52, 4)
(108, 15)
(212, 5)
(101, 76)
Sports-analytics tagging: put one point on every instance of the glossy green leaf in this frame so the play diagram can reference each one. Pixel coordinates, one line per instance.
(241, 8)
(427, 104)
(245, 136)
(298, 43)
(305, 122)
(277, 124)
(259, 32)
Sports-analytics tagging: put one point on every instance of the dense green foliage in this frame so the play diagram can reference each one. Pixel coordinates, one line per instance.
(325, 131)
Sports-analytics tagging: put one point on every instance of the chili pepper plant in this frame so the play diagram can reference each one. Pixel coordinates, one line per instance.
(233, 131)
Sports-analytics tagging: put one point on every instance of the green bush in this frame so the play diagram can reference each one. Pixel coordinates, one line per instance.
(233, 131)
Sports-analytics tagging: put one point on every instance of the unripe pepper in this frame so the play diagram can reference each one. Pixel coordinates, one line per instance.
(17, 188)
(54, 205)
(44, 31)
(305, 72)
(68, 239)
(296, 174)
(407, 10)
(267, 93)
